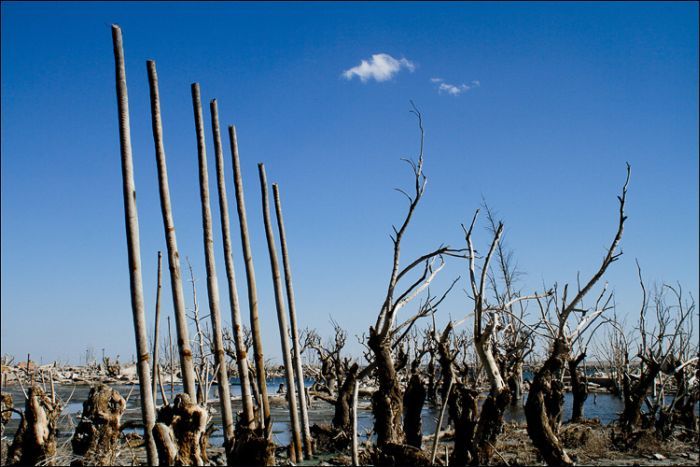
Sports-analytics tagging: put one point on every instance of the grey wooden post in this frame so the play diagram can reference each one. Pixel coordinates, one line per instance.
(250, 279)
(154, 373)
(212, 283)
(241, 360)
(293, 322)
(183, 339)
(281, 316)
(133, 248)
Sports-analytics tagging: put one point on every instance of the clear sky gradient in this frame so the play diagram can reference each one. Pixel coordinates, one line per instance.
(535, 107)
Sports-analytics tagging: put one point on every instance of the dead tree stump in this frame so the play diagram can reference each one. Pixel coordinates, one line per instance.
(180, 433)
(251, 447)
(413, 400)
(97, 435)
(35, 440)
(6, 406)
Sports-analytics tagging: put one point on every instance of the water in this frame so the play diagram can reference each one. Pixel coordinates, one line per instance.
(602, 406)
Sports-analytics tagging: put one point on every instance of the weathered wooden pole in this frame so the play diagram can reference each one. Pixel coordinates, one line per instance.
(212, 282)
(355, 450)
(241, 357)
(250, 279)
(308, 442)
(172, 363)
(281, 316)
(154, 373)
(133, 247)
(183, 339)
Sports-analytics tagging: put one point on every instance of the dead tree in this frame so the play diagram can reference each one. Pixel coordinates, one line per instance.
(35, 439)
(180, 432)
(6, 409)
(545, 399)
(298, 369)
(183, 340)
(664, 349)
(387, 404)
(281, 318)
(212, 282)
(241, 356)
(133, 246)
(96, 437)
(252, 289)
(413, 400)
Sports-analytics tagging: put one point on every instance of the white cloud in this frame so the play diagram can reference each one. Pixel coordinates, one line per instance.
(453, 89)
(381, 67)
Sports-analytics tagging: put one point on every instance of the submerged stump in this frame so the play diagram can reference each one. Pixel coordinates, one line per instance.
(180, 433)
(96, 437)
(35, 439)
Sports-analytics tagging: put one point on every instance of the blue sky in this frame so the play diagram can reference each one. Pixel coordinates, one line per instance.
(549, 102)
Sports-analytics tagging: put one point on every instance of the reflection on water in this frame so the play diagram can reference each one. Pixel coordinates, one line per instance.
(602, 406)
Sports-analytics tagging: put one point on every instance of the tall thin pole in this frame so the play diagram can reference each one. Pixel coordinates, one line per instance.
(281, 316)
(293, 322)
(183, 340)
(250, 279)
(133, 248)
(355, 450)
(172, 364)
(242, 362)
(212, 282)
(154, 375)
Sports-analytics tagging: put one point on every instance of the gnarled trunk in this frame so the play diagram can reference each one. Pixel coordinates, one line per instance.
(97, 435)
(35, 439)
(579, 388)
(634, 395)
(413, 400)
(342, 420)
(543, 408)
(180, 433)
(387, 403)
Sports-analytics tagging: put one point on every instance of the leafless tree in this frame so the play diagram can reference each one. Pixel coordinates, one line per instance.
(545, 399)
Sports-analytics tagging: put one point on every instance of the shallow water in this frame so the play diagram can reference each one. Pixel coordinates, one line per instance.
(602, 406)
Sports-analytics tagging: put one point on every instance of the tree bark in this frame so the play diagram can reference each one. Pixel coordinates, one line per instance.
(212, 282)
(241, 354)
(183, 340)
(387, 402)
(634, 396)
(281, 317)
(308, 442)
(543, 390)
(180, 433)
(154, 363)
(413, 400)
(35, 439)
(133, 246)
(579, 388)
(96, 438)
(250, 279)
(342, 419)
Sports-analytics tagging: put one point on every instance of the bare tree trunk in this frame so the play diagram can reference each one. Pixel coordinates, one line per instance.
(413, 400)
(308, 442)
(180, 432)
(212, 283)
(579, 388)
(387, 402)
(281, 317)
(355, 450)
(250, 279)
(542, 431)
(172, 363)
(342, 417)
(183, 340)
(241, 356)
(133, 247)
(96, 438)
(154, 374)
(35, 439)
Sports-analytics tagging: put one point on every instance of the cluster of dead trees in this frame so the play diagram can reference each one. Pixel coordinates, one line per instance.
(472, 368)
